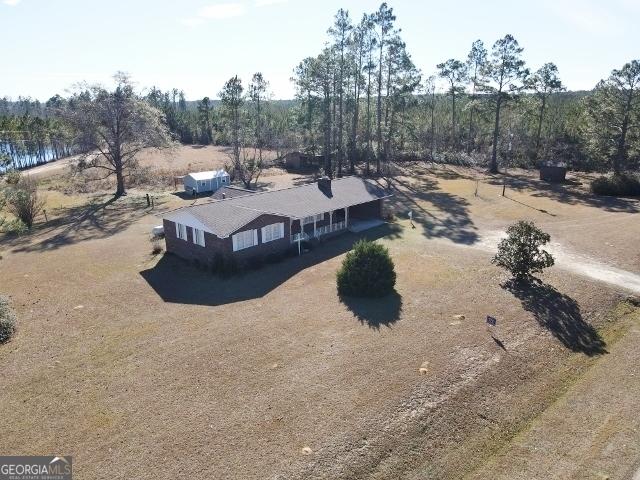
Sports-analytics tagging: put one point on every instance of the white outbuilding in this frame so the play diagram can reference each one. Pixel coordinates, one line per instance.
(200, 182)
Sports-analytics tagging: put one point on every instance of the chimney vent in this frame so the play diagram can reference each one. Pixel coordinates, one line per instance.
(324, 184)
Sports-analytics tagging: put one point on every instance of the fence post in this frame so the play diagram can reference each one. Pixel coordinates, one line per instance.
(504, 186)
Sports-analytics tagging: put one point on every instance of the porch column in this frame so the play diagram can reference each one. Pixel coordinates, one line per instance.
(330, 221)
(314, 226)
(346, 217)
(290, 222)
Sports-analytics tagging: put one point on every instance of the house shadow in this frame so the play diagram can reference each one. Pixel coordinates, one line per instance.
(375, 312)
(101, 218)
(558, 313)
(176, 281)
(450, 218)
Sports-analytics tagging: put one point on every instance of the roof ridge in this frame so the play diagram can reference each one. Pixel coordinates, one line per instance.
(292, 187)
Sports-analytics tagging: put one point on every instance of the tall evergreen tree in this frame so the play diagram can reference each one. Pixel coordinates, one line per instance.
(613, 118)
(455, 72)
(544, 83)
(504, 74)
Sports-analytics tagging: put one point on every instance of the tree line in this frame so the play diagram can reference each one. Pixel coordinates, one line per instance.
(361, 103)
(32, 133)
(362, 100)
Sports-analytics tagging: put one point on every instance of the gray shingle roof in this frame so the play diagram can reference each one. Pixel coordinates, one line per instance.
(225, 217)
(230, 192)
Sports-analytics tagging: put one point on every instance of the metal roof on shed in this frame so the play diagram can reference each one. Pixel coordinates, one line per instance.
(208, 175)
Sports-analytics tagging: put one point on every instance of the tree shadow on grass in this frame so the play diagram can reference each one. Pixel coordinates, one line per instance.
(176, 281)
(449, 218)
(375, 312)
(101, 218)
(558, 313)
(569, 192)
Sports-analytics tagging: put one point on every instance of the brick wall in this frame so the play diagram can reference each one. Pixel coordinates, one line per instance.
(189, 250)
(366, 210)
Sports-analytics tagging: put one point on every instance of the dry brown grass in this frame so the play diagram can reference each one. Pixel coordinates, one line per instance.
(270, 373)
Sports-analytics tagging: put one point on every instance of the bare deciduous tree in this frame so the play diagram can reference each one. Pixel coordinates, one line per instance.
(113, 127)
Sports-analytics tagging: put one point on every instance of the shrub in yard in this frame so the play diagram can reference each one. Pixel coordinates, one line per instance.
(7, 320)
(12, 177)
(23, 201)
(156, 245)
(521, 251)
(622, 185)
(367, 271)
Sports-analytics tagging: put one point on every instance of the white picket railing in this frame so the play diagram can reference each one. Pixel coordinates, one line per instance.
(334, 227)
(299, 236)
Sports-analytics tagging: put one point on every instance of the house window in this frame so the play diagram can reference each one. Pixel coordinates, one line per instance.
(181, 231)
(317, 218)
(272, 232)
(198, 237)
(246, 239)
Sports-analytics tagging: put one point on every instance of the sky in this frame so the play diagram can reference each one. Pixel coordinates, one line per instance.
(47, 46)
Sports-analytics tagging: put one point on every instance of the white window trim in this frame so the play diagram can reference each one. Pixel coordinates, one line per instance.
(181, 231)
(235, 238)
(198, 237)
(273, 232)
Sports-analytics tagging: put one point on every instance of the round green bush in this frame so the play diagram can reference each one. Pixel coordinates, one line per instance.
(7, 320)
(367, 271)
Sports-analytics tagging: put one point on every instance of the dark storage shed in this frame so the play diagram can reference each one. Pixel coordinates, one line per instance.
(553, 173)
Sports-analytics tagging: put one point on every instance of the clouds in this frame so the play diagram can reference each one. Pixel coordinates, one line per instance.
(219, 11)
(11, 3)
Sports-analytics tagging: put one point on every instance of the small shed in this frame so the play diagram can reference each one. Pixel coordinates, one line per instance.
(553, 172)
(301, 161)
(200, 182)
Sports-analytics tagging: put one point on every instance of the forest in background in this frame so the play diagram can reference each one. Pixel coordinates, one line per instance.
(361, 102)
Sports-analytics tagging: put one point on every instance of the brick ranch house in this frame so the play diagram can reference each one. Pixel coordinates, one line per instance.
(257, 224)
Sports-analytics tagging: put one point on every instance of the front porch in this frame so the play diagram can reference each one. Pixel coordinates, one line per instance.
(319, 225)
(359, 217)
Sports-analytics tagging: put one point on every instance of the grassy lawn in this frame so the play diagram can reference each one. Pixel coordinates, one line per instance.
(123, 354)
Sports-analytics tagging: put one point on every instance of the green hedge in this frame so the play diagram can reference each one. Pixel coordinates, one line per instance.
(623, 185)
(367, 271)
